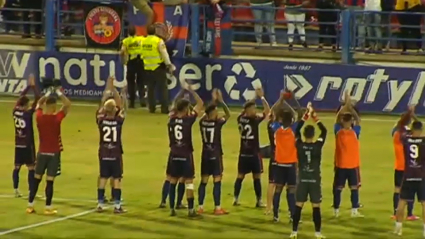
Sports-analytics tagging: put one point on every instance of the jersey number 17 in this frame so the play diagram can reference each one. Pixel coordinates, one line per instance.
(208, 135)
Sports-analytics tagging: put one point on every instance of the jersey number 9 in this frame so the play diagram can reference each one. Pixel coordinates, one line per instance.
(414, 151)
(109, 134)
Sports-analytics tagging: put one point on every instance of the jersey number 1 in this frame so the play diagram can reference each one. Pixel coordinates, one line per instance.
(109, 134)
(308, 155)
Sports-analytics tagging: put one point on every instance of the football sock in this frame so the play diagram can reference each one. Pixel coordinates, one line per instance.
(317, 219)
(172, 195)
(100, 195)
(190, 203)
(15, 177)
(33, 190)
(201, 193)
(410, 209)
(181, 188)
(296, 218)
(30, 177)
(276, 203)
(217, 193)
(287, 199)
(257, 188)
(49, 192)
(291, 202)
(396, 197)
(238, 187)
(165, 190)
(117, 197)
(337, 198)
(354, 198)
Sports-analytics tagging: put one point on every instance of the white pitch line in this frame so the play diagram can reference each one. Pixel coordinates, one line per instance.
(54, 199)
(47, 222)
(233, 112)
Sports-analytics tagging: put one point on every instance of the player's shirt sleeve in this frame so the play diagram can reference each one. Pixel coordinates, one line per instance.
(192, 117)
(275, 126)
(357, 129)
(260, 117)
(39, 113)
(337, 128)
(60, 115)
(323, 133)
(222, 121)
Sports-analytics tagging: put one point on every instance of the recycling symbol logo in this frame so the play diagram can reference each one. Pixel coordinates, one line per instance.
(242, 70)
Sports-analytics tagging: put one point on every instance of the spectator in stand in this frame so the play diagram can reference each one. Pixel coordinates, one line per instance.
(2, 2)
(373, 24)
(11, 15)
(264, 15)
(295, 16)
(410, 23)
(387, 7)
(37, 6)
(358, 5)
(327, 18)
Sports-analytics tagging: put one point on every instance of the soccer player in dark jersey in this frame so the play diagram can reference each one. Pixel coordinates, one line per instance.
(309, 176)
(49, 125)
(249, 152)
(182, 94)
(212, 152)
(24, 134)
(110, 119)
(181, 163)
(413, 182)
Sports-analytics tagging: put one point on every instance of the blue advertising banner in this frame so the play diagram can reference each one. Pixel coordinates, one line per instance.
(376, 89)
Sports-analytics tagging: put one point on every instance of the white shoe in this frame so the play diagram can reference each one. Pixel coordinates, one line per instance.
(356, 213)
(319, 235)
(336, 212)
(398, 231)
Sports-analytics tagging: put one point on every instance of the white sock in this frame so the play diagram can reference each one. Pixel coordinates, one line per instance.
(398, 225)
(201, 206)
(117, 206)
(49, 207)
(354, 210)
(30, 204)
(218, 207)
(424, 227)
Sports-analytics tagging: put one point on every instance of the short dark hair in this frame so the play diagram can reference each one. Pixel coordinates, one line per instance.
(182, 104)
(309, 131)
(131, 30)
(51, 100)
(417, 125)
(210, 108)
(287, 118)
(151, 30)
(347, 117)
(23, 101)
(248, 104)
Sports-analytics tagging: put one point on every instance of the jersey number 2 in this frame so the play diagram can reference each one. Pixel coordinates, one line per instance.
(109, 134)
(414, 151)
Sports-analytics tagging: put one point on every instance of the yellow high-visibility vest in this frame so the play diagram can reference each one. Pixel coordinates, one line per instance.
(133, 44)
(400, 4)
(150, 52)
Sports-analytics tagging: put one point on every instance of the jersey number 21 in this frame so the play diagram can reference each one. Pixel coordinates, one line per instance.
(109, 134)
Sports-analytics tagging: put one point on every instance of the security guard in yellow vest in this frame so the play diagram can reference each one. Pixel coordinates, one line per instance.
(131, 51)
(156, 62)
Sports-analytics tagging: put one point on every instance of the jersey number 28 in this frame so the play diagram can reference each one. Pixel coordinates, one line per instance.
(109, 134)
(19, 123)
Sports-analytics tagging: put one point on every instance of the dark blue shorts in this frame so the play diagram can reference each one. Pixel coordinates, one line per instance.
(211, 166)
(398, 178)
(285, 174)
(250, 164)
(111, 168)
(411, 189)
(181, 166)
(25, 156)
(344, 175)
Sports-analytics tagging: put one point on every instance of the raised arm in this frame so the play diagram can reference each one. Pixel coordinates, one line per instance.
(164, 55)
(66, 103)
(124, 100)
(345, 108)
(279, 103)
(109, 87)
(266, 106)
(223, 104)
(177, 97)
(199, 102)
(323, 130)
(35, 89)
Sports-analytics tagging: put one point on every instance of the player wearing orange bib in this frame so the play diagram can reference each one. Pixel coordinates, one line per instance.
(399, 164)
(347, 156)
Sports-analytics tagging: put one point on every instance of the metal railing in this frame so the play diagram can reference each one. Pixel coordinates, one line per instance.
(347, 31)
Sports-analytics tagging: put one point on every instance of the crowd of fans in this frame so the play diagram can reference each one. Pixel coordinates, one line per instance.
(380, 20)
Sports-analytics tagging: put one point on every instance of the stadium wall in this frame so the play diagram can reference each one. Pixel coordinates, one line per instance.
(377, 88)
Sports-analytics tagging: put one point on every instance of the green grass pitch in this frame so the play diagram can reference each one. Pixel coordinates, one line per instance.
(145, 145)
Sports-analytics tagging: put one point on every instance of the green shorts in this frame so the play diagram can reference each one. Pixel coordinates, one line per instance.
(310, 190)
(48, 163)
